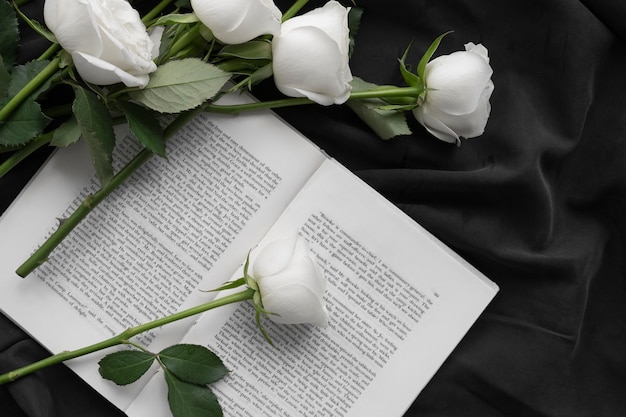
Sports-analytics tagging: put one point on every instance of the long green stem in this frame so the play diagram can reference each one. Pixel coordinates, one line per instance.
(123, 337)
(42, 253)
(24, 152)
(272, 104)
(387, 92)
(379, 92)
(29, 89)
(155, 11)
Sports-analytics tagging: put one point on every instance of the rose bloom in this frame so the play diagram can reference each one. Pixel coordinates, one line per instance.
(291, 283)
(458, 88)
(310, 56)
(238, 21)
(106, 38)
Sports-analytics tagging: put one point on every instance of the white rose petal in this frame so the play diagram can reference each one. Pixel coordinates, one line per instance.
(310, 56)
(458, 89)
(106, 38)
(238, 21)
(290, 282)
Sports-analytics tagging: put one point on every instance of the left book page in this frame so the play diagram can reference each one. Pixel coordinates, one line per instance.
(177, 227)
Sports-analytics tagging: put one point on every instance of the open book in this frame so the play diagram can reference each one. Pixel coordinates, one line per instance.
(399, 300)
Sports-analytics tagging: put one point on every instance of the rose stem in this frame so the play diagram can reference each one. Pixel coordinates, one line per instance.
(22, 153)
(295, 8)
(412, 92)
(29, 88)
(155, 11)
(122, 338)
(41, 254)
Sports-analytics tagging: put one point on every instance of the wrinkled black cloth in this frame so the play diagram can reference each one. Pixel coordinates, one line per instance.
(537, 204)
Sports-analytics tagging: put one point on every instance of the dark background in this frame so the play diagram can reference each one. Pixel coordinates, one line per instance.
(537, 204)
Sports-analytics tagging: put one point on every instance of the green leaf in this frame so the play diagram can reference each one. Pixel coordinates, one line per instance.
(125, 367)
(176, 18)
(9, 35)
(96, 127)
(256, 49)
(66, 134)
(386, 123)
(38, 27)
(26, 122)
(190, 400)
(145, 126)
(23, 74)
(181, 85)
(193, 363)
(421, 67)
(5, 79)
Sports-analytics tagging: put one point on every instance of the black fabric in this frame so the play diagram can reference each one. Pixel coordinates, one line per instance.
(537, 203)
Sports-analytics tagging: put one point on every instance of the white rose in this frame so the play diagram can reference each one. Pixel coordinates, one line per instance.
(290, 282)
(458, 88)
(106, 38)
(310, 56)
(238, 21)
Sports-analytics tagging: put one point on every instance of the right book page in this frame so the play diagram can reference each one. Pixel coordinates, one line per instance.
(399, 301)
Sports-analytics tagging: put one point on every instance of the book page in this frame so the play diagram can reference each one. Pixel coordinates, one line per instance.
(399, 302)
(177, 228)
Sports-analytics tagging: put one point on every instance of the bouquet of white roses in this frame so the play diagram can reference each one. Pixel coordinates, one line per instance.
(156, 71)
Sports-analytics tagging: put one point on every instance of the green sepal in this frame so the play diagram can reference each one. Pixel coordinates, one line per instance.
(191, 400)
(259, 325)
(409, 78)
(421, 67)
(249, 279)
(96, 128)
(125, 367)
(193, 363)
(145, 125)
(230, 285)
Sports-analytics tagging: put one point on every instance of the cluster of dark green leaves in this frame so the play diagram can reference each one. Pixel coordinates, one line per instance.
(187, 369)
(26, 120)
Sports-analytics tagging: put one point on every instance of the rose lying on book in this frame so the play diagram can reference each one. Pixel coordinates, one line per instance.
(291, 283)
(286, 284)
